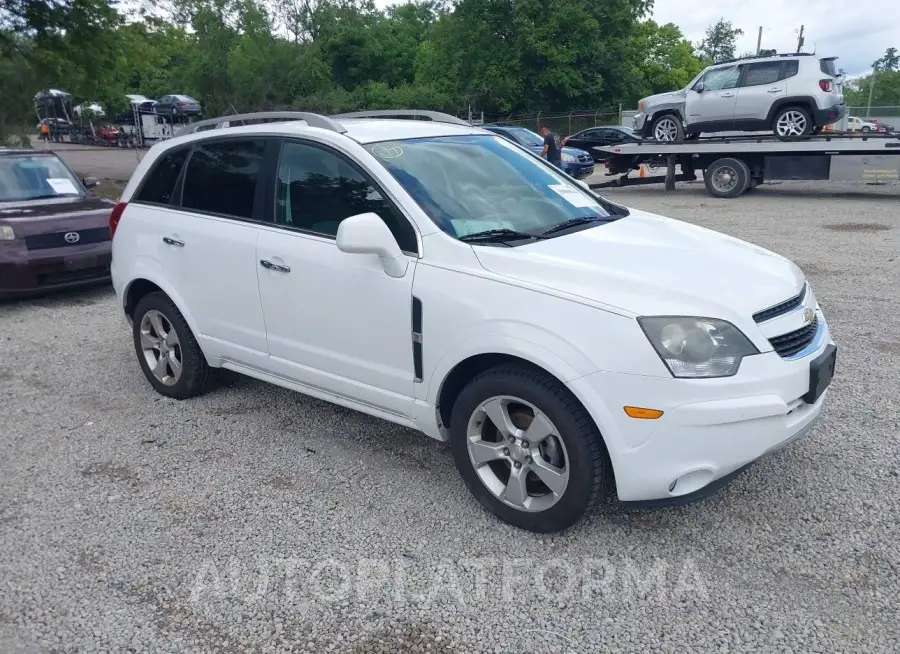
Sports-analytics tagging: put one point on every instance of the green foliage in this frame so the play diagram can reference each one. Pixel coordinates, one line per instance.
(495, 56)
(883, 84)
(720, 42)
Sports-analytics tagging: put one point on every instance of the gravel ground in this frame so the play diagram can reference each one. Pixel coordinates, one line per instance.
(257, 520)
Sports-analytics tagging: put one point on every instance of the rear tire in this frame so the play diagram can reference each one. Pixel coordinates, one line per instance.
(866, 130)
(792, 122)
(527, 404)
(168, 353)
(667, 128)
(727, 178)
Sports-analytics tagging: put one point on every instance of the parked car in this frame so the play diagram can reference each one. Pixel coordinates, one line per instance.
(89, 109)
(855, 124)
(790, 95)
(177, 105)
(440, 277)
(575, 162)
(593, 138)
(142, 102)
(53, 232)
(107, 133)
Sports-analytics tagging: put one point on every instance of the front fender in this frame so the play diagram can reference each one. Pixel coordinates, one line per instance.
(540, 347)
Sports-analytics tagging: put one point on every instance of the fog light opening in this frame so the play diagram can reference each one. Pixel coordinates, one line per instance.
(691, 482)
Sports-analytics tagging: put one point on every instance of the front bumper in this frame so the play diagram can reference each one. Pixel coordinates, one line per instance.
(24, 272)
(709, 429)
(638, 121)
(578, 169)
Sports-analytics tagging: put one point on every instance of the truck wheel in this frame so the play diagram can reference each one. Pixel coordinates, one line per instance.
(667, 127)
(527, 449)
(727, 178)
(792, 122)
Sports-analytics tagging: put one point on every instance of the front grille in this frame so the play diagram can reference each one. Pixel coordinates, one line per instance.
(787, 345)
(72, 276)
(780, 309)
(58, 239)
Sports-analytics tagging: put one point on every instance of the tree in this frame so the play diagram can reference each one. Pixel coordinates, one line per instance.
(668, 59)
(720, 42)
(890, 60)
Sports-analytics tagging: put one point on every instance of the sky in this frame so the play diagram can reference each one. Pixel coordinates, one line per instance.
(857, 34)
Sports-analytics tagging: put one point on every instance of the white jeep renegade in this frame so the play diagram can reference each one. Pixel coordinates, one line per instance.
(437, 276)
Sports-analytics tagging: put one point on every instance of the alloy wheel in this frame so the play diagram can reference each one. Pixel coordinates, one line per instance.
(791, 123)
(518, 453)
(161, 347)
(666, 130)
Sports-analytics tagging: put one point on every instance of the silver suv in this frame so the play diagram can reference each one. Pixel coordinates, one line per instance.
(791, 95)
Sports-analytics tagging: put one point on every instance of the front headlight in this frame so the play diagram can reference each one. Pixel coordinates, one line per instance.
(697, 347)
(641, 105)
(7, 233)
(568, 158)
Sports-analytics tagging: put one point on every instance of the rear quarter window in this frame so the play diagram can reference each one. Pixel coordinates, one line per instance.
(827, 67)
(159, 185)
(791, 68)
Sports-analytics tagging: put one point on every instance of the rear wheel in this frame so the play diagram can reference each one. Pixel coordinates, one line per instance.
(168, 353)
(527, 449)
(727, 178)
(791, 122)
(667, 127)
(866, 129)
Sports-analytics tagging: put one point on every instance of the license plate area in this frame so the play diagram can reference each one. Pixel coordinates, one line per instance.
(821, 372)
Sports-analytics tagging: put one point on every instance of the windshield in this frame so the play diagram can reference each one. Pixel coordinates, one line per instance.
(526, 136)
(474, 183)
(32, 177)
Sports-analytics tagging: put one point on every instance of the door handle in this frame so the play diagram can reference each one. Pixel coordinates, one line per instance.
(775, 90)
(172, 241)
(268, 265)
(727, 95)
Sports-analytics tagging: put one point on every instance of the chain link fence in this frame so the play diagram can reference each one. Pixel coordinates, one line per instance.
(562, 123)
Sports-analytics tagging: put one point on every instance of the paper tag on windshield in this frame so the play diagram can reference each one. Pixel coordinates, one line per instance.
(61, 185)
(573, 196)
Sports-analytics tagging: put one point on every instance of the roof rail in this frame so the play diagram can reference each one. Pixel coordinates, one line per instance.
(311, 119)
(755, 56)
(409, 114)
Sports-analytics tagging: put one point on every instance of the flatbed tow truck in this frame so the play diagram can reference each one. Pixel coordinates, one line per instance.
(731, 165)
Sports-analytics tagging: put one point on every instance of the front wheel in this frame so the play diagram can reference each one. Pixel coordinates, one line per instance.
(668, 128)
(866, 130)
(527, 449)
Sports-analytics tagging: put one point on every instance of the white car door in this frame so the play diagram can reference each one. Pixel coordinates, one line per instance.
(710, 102)
(762, 84)
(335, 322)
(207, 245)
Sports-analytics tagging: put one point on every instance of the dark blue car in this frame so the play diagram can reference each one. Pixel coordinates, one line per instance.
(576, 163)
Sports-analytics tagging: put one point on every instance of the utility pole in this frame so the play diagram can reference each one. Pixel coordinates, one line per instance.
(759, 41)
(800, 40)
(871, 88)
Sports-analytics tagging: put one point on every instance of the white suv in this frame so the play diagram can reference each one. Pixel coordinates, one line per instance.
(790, 95)
(437, 276)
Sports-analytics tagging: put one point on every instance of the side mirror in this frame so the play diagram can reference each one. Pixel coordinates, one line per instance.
(699, 88)
(90, 182)
(366, 233)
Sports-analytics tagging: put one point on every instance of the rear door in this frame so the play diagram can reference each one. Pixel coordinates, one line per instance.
(762, 85)
(204, 233)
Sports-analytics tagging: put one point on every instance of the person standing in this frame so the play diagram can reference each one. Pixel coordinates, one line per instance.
(551, 147)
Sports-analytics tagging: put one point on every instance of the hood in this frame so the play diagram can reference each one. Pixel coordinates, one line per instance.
(660, 98)
(573, 151)
(43, 209)
(645, 264)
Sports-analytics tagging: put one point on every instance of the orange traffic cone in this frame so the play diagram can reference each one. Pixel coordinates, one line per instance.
(643, 171)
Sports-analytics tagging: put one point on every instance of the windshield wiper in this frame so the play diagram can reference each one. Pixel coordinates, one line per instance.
(495, 235)
(572, 222)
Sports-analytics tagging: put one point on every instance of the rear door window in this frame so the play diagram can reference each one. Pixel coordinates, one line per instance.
(766, 72)
(222, 177)
(159, 185)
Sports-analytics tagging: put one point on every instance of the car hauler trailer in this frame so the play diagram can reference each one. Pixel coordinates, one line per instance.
(731, 165)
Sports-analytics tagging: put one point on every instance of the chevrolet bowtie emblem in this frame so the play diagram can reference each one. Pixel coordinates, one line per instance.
(808, 315)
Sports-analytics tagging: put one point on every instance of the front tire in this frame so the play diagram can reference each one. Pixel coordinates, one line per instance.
(527, 449)
(167, 351)
(667, 128)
